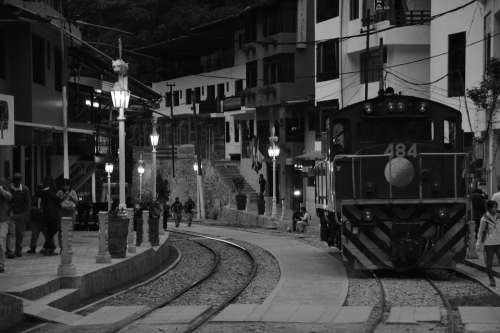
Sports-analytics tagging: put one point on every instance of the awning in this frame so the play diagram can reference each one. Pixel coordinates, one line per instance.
(311, 156)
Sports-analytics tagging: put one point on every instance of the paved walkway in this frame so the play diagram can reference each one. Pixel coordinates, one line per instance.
(34, 269)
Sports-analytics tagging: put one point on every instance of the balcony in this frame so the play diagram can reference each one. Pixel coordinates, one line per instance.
(401, 17)
(210, 106)
(232, 103)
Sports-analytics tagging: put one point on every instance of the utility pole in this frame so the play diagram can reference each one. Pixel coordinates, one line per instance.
(64, 98)
(367, 51)
(381, 61)
(199, 179)
(171, 86)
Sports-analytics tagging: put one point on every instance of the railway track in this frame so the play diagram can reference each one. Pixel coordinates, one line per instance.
(210, 247)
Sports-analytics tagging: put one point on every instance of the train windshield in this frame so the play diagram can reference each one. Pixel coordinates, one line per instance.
(381, 130)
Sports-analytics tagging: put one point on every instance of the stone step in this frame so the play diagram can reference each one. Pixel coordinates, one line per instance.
(48, 313)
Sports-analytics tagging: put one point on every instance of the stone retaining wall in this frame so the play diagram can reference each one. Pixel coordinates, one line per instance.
(11, 311)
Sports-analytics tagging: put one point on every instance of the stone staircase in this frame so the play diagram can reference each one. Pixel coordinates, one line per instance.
(229, 169)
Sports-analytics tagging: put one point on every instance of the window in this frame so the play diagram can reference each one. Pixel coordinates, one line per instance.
(354, 10)
(176, 98)
(58, 70)
(227, 86)
(220, 91)
(327, 60)
(236, 131)
(326, 9)
(38, 59)
(373, 69)
(238, 87)
(228, 132)
(411, 129)
(456, 64)
(210, 92)
(3, 55)
(252, 74)
(294, 130)
(250, 28)
(449, 132)
(168, 99)
(197, 94)
(487, 40)
(202, 90)
(282, 18)
(279, 68)
(188, 96)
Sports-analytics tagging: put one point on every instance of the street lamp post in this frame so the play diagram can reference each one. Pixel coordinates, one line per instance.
(274, 152)
(140, 171)
(109, 169)
(121, 97)
(154, 143)
(198, 188)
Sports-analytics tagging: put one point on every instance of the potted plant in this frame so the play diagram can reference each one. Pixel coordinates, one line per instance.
(261, 204)
(241, 198)
(117, 233)
(154, 223)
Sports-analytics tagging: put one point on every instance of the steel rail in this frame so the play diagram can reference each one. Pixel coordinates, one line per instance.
(382, 304)
(452, 324)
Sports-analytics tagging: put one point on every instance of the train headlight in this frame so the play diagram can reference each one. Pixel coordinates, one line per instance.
(390, 106)
(367, 215)
(422, 107)
(368, 108)
(401, 106)
(443, 213)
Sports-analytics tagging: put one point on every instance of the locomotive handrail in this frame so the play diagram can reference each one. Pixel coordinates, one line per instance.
(353, 172)
(455, 155)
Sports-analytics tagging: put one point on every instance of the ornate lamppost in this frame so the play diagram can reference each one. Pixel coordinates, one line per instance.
(108, 167)
(140, 171)
(154, 137)
(274, 152)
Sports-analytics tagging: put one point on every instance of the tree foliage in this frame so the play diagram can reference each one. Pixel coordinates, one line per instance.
(486, 94)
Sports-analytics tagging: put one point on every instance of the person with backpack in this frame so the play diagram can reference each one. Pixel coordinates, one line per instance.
(51, 206)
(177, 210)
(189, 205)
(489, 237)
(20, 206)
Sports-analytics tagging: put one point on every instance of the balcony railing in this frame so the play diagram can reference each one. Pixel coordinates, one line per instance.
(401, 18)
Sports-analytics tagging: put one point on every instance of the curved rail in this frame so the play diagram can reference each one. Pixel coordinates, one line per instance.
(383, 304)
(452, 325)
(235, 294)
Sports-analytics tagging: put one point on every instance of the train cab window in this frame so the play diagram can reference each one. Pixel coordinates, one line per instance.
(396, 129)
(449, 132)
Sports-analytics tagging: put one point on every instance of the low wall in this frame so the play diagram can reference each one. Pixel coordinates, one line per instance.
(11, 311)
(240, 218)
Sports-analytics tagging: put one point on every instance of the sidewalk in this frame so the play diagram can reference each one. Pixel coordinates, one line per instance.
(476, 269)
(33, 277)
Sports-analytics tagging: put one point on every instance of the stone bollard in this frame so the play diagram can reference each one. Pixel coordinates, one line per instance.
(66, 267)
(160, 221)
(103, 256)
(145, 227)
(282, 210)
(131, 239)
(471, 251)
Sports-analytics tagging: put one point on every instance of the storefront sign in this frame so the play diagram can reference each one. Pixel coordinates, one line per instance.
(6, 120)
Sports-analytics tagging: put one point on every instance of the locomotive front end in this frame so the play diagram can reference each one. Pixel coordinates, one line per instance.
(398, 175)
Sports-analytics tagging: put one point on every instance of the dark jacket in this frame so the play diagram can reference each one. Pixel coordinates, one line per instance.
(51, 204)
(21, 199)
(177, 207)
(478, 199)
(189, 206)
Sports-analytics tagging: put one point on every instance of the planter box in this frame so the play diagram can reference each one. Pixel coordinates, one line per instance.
(117, 236)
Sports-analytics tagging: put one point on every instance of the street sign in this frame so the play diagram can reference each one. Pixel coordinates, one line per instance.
(6, 120)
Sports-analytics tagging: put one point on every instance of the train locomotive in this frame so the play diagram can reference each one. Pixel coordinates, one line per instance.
(392, 192)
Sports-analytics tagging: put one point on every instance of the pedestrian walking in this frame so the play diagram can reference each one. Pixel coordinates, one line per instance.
(51, 206)
(189, 205)
(478, 200)
(5, 198)
(36, 222)
(20, 207)
(489, 237)
(262, 184)
(166, 215)
(177, 211)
